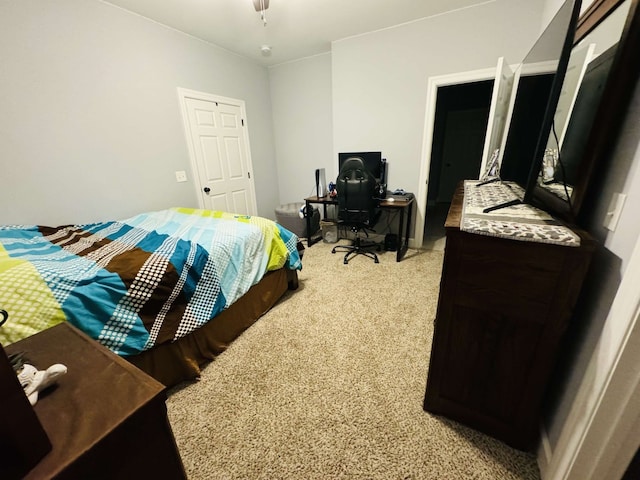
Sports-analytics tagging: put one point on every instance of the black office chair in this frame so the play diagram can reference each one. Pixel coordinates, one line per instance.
(358, 207)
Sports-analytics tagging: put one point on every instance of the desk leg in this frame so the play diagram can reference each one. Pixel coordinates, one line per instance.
(403, 242)
(307, 207)
(310, 238)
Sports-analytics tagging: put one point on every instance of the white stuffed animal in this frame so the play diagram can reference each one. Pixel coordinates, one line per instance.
(34, 381)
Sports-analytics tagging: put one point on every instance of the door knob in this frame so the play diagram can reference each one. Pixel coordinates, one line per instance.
(206, 189)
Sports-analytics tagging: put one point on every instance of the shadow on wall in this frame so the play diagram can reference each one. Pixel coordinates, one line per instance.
(595, 300)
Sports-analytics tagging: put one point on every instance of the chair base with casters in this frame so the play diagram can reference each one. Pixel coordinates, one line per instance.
(358, 248)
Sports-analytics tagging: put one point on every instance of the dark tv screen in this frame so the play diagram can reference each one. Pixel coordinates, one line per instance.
(526, 119)
(538, 90)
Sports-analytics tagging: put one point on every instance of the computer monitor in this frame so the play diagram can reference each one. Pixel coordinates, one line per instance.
(372, 160)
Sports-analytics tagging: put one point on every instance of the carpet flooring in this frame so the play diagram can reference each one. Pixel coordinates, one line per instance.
(330, 384)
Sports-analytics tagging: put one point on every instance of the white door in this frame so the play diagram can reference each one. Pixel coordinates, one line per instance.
(497, 111)
(219, 149)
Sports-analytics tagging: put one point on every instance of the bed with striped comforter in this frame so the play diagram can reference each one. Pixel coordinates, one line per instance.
(136, 283)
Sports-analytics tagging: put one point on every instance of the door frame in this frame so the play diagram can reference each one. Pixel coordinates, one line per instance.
(433, 84)
(183, 94)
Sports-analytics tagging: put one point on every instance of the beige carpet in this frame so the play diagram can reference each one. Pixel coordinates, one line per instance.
(330, 384)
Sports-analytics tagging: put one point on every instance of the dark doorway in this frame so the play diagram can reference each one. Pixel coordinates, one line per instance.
(460, 125)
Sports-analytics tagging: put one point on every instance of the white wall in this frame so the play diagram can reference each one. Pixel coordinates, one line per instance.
(590, 351)
(551, 7)
(301, 99)
(380, 79)
(90, 126)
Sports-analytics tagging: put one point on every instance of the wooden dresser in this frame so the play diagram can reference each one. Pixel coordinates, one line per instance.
(503, 308)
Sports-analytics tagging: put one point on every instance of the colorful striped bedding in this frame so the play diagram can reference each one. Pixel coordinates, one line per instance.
(136, 283)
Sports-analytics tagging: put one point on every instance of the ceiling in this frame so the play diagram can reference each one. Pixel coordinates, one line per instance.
(295, 28)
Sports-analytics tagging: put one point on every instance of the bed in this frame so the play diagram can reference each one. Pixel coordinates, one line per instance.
(167, 290)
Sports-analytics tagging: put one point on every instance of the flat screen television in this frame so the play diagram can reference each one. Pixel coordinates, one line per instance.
(528, 111)
(538, 84)
(373, 161)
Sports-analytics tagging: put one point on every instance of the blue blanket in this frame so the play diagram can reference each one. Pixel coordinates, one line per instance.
(139, 282)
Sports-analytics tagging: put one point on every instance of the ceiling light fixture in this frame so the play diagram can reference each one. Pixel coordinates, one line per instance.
(261, 6)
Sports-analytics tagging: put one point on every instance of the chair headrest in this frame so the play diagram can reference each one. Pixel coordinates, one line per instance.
(354, 168)
(353, 163)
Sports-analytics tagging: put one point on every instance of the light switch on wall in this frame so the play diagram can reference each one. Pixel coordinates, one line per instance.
(614, 210)
(181, 176)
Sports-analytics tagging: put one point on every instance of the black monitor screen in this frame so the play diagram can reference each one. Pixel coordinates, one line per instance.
(528, 112)
(372, 160)
(541, 75)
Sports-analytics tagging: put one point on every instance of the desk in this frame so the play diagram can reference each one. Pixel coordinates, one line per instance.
(398, 205)
(105, 418)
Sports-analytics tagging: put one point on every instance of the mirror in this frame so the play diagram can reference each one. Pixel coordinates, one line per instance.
(600, 78)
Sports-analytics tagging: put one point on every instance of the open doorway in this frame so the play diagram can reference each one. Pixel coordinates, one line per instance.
(459, 131)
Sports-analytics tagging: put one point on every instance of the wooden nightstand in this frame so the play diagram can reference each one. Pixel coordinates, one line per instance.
(105, 418)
